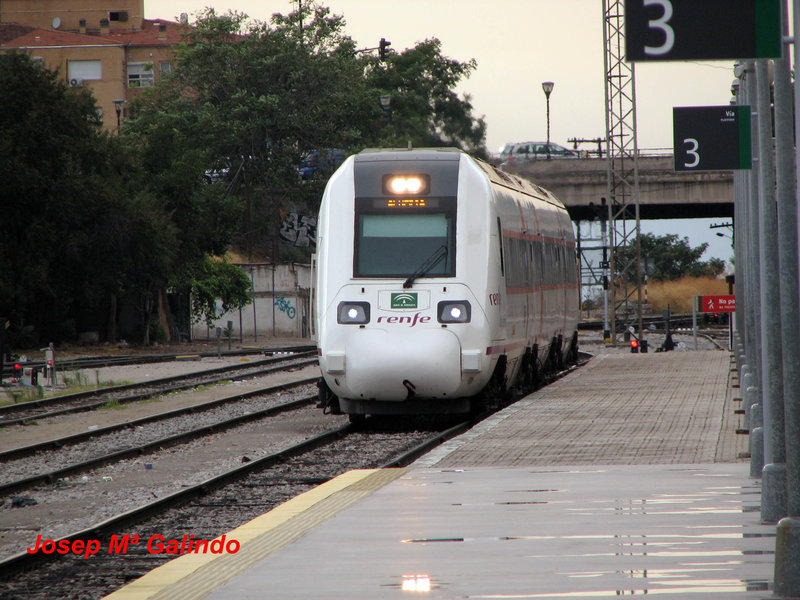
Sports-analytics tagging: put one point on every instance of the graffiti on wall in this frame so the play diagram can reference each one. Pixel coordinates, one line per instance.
(286, 306)
(299, 230)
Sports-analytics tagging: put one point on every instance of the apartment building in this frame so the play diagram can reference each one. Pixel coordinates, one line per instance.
(110, 48)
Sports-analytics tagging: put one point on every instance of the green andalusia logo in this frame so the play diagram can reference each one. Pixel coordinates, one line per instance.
(404, 299)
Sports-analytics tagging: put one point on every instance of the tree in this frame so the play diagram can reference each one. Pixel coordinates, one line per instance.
(247, 100)
(214, 280)
(425, 109)
(73, 230)
(669, 257)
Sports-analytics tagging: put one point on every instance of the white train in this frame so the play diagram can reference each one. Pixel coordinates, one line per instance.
(439, 282)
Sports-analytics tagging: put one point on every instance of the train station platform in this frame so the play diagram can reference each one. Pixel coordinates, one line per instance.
(624, 478)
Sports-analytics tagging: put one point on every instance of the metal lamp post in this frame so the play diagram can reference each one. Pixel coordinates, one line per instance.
(118, 109)
(547, 86)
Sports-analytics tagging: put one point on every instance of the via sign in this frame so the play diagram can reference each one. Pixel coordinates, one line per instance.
(711, 138)
(702, 29)
(715, 304)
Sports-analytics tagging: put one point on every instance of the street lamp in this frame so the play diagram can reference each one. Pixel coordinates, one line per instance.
(547, 86)
(118, 109)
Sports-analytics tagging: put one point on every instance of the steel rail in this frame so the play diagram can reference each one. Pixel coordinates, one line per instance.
(76, 438)
(149, 447)
(88, 362)
(24, 560)
(226, 373)
(11, 408)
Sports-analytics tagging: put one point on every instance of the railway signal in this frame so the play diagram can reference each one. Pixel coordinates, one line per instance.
(382, 48)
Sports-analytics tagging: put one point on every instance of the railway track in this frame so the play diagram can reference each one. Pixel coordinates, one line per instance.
(25, 412)
(208, 509)
(214, 505)
(96, 362)
(93, 452)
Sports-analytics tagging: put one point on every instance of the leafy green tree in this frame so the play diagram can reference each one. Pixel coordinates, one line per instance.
(248, 100)
(669, 257)
(424, 108)
(218, 279)
(74, 233)
(245, 103)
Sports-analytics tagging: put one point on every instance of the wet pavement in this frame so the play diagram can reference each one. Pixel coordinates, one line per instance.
(689, 532)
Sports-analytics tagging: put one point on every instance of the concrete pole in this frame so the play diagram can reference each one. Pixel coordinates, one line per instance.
(740, 187)
(787, 252)
(753, 306)
(772, 486)
(787, 542)
(741, 183)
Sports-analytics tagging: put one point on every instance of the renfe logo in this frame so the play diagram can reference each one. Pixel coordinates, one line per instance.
(404, 300)
(408, 320)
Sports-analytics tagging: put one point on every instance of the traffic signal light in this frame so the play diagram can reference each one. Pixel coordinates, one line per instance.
(635, 346)
(382, 48)
(16, 373)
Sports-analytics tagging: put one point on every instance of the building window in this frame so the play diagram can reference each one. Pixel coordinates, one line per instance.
(140, 74)
(165, 67)
(118, 15)
(79, 71)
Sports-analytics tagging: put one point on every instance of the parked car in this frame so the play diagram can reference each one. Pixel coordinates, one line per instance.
(325, 161)
(525, 151)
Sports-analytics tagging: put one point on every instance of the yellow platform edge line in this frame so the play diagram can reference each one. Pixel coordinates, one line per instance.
(180, 568)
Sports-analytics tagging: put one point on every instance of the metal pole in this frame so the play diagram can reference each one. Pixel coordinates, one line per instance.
(606, 272)
(787, 542)
(772, 485)
(548, 122)
(255, 312)
(273, 292)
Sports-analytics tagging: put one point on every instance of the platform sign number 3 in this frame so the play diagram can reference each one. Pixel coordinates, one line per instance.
(711, 138)
(661, 24)
(702, 30)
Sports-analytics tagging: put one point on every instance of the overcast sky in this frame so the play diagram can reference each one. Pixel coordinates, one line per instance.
(518, 44)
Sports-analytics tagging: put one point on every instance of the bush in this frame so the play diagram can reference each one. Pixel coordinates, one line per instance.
(677, 295)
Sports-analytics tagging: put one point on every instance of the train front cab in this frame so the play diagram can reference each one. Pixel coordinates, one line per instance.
(408, 283)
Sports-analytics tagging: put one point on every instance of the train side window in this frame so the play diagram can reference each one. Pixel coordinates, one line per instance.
(500, 239)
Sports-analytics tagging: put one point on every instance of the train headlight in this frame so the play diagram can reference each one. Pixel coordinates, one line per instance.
(353, 313)
(399, 185)
(454, 311)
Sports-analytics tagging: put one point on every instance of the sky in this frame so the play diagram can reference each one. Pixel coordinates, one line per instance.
(517, 45)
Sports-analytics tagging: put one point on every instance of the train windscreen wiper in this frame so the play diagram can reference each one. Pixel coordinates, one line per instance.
(425, 268)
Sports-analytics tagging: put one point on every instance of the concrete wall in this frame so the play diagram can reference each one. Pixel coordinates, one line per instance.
(279, 311)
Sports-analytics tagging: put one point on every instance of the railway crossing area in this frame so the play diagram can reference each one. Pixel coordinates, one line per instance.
(626, 477)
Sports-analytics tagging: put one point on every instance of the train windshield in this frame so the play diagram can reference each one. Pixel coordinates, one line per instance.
(400, 243)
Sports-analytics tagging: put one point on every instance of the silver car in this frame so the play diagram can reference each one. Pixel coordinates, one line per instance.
(525, 151)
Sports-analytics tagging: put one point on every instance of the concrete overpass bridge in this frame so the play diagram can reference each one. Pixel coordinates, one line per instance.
(663, 193)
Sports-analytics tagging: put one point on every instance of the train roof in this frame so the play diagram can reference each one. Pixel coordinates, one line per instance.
(495, 175)
(409, 154)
